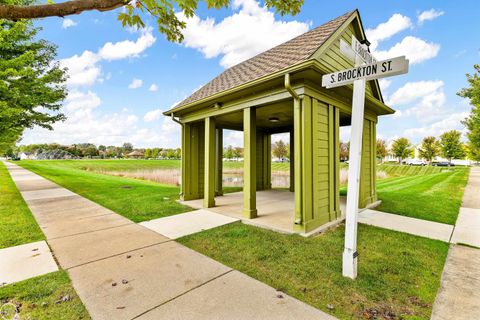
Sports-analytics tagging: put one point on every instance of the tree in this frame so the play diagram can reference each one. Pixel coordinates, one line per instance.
(473, 121)
(381, 149)
(127, 147)
(451, 146)
(32, 85)
(429, 149)
(238, 152)
(228, 153)
(279, 149)
(148, 153)
(344, 150)
(401, 148)
(164, 11)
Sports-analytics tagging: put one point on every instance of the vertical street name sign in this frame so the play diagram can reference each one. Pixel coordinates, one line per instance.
(366, 68)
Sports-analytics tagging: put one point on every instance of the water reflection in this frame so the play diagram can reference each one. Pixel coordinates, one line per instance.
(279, 180)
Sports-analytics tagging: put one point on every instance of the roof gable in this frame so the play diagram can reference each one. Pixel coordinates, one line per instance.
(294, 51)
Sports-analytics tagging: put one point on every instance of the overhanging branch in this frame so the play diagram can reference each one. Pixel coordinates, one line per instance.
(15, 12)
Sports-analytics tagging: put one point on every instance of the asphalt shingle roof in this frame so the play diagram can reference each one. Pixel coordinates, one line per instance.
(287, 54)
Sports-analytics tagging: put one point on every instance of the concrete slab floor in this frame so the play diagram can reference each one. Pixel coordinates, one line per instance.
(275, 208)
(47, 194)
(423, 228)
(152, 275)
(235, 296)
(180, 225)
(88, 247)
(459, 294)
(25, 261)
(467, 228)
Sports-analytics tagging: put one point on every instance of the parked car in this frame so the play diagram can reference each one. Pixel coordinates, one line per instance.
(415, 162)
(443, 164)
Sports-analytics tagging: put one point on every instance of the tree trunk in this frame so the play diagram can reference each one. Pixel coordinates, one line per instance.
(15, 12)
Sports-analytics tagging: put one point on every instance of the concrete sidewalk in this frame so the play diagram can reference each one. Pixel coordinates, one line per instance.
(122, 270)
(459, 294)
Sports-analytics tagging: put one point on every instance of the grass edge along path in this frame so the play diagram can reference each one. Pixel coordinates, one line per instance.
(17, 224)
(433, 196)
(137, 200)
(399, 274)
(46, 297)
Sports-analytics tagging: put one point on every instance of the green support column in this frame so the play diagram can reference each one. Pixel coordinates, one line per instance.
(219, 162)
(297, 127)
(267, 162)
(249, 162)
(337, 163)
(292, 162)
(185, 187)
(307, 160)
(209, 185)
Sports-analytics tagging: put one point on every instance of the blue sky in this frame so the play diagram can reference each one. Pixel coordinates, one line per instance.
(121, 80)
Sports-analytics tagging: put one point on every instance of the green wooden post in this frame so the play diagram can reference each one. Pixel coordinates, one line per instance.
(249, 162)
(331, 162)
(209, 185)
(219, 162)
(185, 193)
(267, 161)
(292, 162)
(337, 163)
(297, 128)
(307, 160)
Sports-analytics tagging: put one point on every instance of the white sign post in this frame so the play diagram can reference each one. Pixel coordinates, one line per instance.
(366, 68)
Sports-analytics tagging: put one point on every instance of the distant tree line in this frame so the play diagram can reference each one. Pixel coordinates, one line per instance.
(89, 150)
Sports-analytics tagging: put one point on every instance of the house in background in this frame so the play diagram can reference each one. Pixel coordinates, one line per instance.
(135, 155)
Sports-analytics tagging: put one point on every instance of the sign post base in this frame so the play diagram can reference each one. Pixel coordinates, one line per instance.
(349, 263)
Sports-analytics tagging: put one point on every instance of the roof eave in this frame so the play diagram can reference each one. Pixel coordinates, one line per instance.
(213, 98)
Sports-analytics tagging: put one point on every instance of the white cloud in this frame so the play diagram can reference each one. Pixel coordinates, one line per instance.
(412, 91)
(67, 23)
(385, 30)
(152, 115)
(233, 138)
(429, 15)
(451, 122)
(416, 50)
(77, 100)
(135, 84)
(84, 69)
(249, 31)
(127, 49)
(153, 87)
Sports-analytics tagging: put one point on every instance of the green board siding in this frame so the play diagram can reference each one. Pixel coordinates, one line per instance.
(319, 163)
(334, 60)
(194, 161)
(264, 157)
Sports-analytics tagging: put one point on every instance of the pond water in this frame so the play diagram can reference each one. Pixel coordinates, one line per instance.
(279, 179)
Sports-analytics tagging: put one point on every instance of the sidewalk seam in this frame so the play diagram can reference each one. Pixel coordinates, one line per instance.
(182, 294)
(119, 254)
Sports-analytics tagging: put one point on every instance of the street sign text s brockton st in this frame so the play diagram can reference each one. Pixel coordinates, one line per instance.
(376, 70)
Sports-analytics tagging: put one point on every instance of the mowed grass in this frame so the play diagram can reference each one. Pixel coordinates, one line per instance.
(46, 297)
(137, 200)
(398, 275)
(17, 225)
(132, 165)
(433, 194)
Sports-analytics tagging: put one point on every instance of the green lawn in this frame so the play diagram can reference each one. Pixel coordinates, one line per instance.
(421, 194)
(132, 165)
(17, 225)
(138, 200)
(46, 297)
(399, 274)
